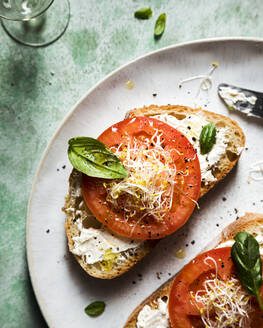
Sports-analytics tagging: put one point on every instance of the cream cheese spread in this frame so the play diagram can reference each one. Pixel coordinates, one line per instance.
(232, 96)
(92, 244)
(191, 126)
(239, 150)
(230, 242)
(227, 243)
(154, 318)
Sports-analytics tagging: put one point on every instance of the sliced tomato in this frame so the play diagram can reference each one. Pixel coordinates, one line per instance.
(184, 311)
(187, 186)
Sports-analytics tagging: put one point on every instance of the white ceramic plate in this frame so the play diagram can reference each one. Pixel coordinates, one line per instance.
(62, 288)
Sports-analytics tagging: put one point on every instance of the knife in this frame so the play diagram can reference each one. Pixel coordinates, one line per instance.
(246, 101)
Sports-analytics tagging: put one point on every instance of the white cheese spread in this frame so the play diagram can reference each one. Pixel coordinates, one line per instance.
(154, 318)
(227, 243)
(92, 244)
(239, 150)
(191, 126)
(258, 237)
(232, 96)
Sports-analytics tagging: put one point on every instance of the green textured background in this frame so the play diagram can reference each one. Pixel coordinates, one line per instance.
(39, 86)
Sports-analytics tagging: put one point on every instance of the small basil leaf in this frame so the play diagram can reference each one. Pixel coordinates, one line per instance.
(160, 25)
(96, 308)
(143, 13)
(207, 138)
(92, 157)
(246, 258)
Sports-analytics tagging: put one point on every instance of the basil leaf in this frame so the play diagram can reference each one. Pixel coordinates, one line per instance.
(246, 257)
(94, 309)
(160, 25)
(92, 157)
(207, 138)
(143, 13)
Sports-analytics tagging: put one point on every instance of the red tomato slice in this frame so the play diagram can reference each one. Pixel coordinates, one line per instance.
(187, 182)
(184, 311)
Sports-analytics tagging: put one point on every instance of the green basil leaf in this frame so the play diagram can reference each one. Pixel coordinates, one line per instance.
(143, 13)
(160, 25)
(207, 138)
(94, 309)
(92, 157)
(246, 257)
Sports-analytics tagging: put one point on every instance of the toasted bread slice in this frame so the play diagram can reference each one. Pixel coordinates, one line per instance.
(235, 135)
(76, 208)
(250, 222)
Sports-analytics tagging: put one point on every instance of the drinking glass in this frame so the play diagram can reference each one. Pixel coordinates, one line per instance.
(29, 21)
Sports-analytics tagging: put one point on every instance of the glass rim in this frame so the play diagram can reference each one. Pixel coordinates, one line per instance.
(31, 17)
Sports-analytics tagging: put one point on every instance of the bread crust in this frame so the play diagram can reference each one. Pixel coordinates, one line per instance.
(249, 222)
(237, 135)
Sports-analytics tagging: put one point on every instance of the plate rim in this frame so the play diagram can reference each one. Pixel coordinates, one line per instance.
(64, 121)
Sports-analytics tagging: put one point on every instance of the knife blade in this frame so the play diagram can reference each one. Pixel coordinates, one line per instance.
(246, 101)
